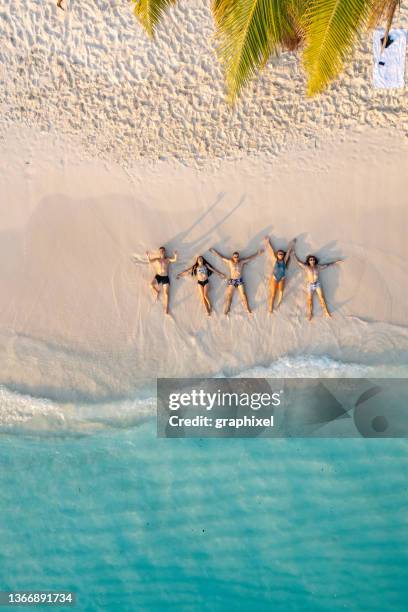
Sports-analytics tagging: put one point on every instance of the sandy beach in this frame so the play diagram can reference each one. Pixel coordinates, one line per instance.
(127, 98)
(89, 184)
(77, 316)
(112, 144)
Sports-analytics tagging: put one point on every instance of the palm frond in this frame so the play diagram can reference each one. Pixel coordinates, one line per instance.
(149, 12)
(248, 32)
(382, 10)
(332, 28)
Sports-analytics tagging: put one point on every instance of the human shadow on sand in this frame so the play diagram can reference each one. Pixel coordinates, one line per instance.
(252, 273)
(189, 248)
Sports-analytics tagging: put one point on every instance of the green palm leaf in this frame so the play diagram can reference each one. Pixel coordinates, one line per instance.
(331, 27)
(382, 9)
(149, 12)
(248, 32)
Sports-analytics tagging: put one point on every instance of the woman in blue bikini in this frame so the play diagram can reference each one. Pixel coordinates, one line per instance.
(202, 270)
(280, 260)
(312, 268)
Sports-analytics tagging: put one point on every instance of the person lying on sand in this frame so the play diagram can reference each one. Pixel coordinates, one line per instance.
(162, 275)
(236, 265)
(202, 270)
(312, 268)
(280, 260)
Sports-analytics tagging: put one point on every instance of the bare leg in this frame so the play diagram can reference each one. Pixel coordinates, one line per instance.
(207, 299)
(309, 305)
(228, 298)
(273, 285)
(155, 287)
(166, 296)
(204, 299)
(322, 301)
(281, 287)
(244, 298)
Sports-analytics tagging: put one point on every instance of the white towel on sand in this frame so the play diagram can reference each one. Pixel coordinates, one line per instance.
(389, 66)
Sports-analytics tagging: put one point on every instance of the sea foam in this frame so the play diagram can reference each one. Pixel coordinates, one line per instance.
(21, 412)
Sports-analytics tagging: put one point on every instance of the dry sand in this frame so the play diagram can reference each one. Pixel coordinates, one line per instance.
(91, 72)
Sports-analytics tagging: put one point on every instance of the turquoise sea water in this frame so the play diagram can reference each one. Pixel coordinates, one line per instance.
(132, 522)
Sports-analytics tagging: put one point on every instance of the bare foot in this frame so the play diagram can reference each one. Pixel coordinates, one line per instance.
(155, 294)
(328, 314)
(309, 316)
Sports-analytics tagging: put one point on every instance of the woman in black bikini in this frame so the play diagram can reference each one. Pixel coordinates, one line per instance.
(202, 270)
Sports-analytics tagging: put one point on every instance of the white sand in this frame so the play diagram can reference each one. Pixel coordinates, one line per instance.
(85, 93)
(91, 72)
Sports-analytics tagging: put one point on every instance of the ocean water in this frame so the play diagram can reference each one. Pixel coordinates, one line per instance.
(132, 522)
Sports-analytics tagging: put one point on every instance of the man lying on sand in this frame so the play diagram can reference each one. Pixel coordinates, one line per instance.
(235, 280)
(280, 259)
(202, 270)
(162, 275)
(312, 268)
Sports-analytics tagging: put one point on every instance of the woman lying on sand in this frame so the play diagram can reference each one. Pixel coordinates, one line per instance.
(162, 275)
(280, 259)
(312, 268)
(235, 280)
(202, 270)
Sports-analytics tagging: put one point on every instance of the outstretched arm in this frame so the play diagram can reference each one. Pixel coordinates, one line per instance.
(246, 259)
(174, 258)
(299, 261)
(151, 259)
(216, 271)
(268, 245)
(215, 252)
(184, 272)
(291, 246)
(331, 263)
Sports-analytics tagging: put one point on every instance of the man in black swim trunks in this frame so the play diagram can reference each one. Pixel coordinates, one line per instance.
(161, 277)
(235, 281)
